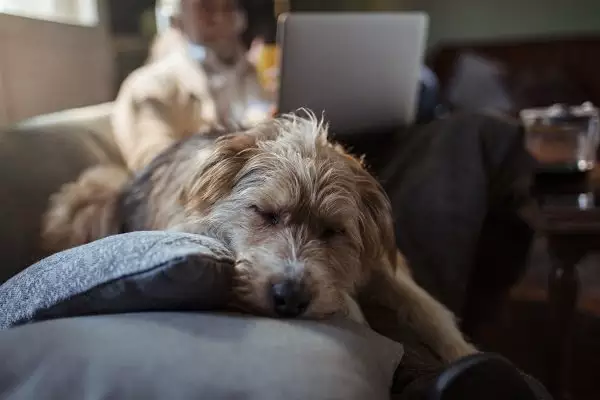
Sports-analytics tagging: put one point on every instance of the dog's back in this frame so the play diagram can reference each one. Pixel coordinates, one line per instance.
(107, 199)
(164, 175)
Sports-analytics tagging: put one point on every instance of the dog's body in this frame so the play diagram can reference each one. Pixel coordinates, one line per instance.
(309, 227)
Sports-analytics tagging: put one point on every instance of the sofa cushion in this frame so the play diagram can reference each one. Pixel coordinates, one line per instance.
(123, 273)
(195, 356)
(36, 158)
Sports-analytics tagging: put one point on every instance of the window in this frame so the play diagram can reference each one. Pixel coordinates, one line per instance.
(80, 12)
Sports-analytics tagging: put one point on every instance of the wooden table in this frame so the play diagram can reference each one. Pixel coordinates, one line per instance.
(571, 223)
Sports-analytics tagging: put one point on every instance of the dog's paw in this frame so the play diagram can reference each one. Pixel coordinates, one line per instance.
(451, 352)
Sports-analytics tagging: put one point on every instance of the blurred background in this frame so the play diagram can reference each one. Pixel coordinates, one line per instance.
(58, 54)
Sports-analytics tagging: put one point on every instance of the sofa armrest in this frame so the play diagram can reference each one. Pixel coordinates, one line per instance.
(36, 158)
(94, 118)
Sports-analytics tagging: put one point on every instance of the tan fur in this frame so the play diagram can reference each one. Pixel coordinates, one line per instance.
(288, 203)
(84, 210)
(394, 289)
(175, 97)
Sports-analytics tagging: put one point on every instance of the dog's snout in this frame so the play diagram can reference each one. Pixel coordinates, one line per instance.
(290, 298)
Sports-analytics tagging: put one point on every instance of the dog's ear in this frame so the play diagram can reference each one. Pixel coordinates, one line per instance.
(377, 224)
(377, 227)
(216, 177)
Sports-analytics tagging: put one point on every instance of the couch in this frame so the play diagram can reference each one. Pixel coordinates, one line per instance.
(458, 187)
(37, 156)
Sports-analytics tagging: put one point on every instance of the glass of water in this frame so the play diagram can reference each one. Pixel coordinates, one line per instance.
(563, 139)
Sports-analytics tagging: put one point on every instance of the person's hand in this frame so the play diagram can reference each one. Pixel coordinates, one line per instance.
(261, 56)
(255, 51)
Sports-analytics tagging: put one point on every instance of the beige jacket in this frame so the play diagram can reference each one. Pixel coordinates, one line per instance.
(175, 97)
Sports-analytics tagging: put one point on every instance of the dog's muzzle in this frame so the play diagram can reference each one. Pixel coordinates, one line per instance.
(290, 298)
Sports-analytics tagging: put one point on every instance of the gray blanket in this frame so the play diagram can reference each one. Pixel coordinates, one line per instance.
(459, 188)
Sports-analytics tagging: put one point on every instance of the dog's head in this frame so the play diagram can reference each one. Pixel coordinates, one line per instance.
(305, 220)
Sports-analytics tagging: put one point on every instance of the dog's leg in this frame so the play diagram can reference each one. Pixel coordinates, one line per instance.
(433, 322)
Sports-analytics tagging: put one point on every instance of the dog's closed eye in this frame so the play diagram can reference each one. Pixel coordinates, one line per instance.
(331, 232)
(270, 217)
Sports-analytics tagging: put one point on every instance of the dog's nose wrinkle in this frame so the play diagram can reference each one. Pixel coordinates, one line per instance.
(290, 298)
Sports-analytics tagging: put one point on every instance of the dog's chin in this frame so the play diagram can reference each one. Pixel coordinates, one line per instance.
(242, 306)
(245, 299)
(251, 288)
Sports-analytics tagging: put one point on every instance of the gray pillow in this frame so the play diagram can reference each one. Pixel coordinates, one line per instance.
(175, 356)
(124, 273)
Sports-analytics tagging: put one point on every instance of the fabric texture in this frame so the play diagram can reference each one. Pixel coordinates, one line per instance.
(182, 356)
(124, 273)
(446, 183)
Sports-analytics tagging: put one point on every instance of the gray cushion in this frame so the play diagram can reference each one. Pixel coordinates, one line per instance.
(195, 356)
(123, 273)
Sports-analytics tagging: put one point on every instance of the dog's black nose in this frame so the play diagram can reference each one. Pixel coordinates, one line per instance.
(290, 298)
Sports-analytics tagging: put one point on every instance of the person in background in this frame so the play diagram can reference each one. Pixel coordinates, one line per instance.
(198, 79)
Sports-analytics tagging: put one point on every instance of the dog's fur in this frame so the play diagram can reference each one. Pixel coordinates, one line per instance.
(288, 202)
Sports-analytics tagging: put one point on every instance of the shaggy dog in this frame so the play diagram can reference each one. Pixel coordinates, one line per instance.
(311, 229)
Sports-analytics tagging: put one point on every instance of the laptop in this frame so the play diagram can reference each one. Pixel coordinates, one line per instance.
(360, 71)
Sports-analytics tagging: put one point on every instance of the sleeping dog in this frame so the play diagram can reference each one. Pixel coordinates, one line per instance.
(311, 229)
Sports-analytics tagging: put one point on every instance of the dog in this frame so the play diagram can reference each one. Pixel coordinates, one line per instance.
(310, 228)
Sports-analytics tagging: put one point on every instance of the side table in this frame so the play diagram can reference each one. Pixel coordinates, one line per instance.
(571, 224)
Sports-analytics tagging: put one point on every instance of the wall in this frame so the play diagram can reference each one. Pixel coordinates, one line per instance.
(452, 20)
(493, 19)
(47, 67)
